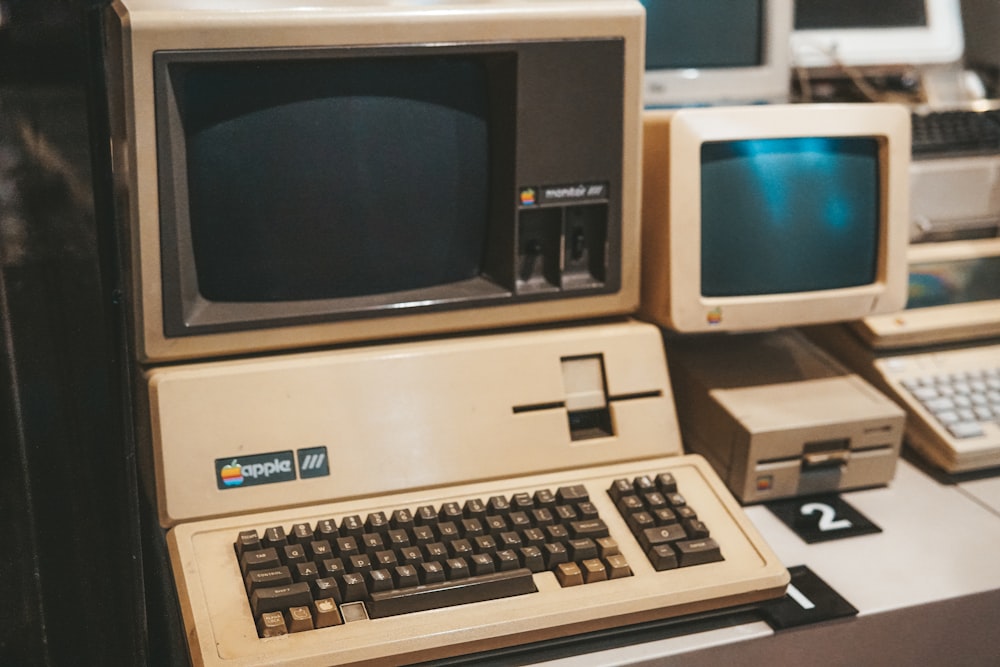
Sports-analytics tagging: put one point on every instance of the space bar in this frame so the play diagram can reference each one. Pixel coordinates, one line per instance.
(448, 593)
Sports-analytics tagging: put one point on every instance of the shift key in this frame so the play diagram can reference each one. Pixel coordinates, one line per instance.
(279, 598)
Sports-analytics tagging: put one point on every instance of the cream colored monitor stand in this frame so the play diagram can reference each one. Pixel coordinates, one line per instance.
(341, 467)
(778, 417)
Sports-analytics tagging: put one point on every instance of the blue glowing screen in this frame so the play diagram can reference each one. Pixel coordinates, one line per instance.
(788, 215)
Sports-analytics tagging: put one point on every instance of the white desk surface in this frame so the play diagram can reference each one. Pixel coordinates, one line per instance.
(937, 557)
(985, 492)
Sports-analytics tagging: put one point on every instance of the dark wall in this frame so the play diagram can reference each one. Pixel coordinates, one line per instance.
(70, 590)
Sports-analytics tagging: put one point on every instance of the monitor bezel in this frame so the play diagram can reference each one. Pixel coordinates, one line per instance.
(175, 25)
(940, 42)
(766, 82)
(671, 292)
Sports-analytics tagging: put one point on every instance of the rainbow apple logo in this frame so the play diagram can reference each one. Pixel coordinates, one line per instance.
(232, 474)
(715, 316)
(528, 197)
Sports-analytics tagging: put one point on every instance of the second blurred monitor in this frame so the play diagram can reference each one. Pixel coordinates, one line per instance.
(705, 52)
(759, 219)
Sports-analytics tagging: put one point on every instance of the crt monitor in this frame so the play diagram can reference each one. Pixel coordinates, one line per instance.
(763, 217)
(295, 176)
(716, 51)
(862, 33)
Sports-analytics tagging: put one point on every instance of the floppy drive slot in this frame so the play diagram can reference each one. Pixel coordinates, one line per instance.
(586, 397)
(826, 453)
(386, 418)
(587, 402)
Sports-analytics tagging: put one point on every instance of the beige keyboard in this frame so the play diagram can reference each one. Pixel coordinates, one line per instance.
(460, 569)
(953, 402)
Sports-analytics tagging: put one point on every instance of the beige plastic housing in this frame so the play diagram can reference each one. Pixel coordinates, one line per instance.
(671, 226)
(139, 28)
(408, 415)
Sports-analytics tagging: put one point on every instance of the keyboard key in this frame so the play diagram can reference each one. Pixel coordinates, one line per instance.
(325, 613)
(402, 519)
(651, 537)
(377, 522)
(582, 549)
(326, 529)
(378, 580)
(387, 559)
(474, 508)
(450, 512)
(405, 576)
(662, 557)
(319, 550)
(456, 568)
(332, 567)
(696, 552)
(497, 506)
(620, 488)
(506, 560)
(544, 498)
(570, 495)
(485, 544)
(586, 510)
(555, 554)
(371, 542)
(426, 515)
(292, 554)
(569, 574)
(279, 598)
(352, 587)
(247, 540)
(275, 537)
(666, 483)
(306, 571)
(695, 529)
(450, 593)
(352, 526)
(521, 502)
(643, 484)
(271, 624)
(617, 566)
(965, 430)
(262, 559)
(431, 572)
(301, 534)
(607, 546)
(274, 576)
(531, 558)
(593, 570)
(482, 564)
(300, 619)
(325, 588)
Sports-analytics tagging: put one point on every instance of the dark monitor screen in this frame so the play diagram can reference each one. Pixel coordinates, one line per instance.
(789, 215)
(683, 34)
(330, 179)
(823, 14)
(954, 281)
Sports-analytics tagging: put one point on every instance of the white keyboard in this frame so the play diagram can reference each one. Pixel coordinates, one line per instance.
(953, 402)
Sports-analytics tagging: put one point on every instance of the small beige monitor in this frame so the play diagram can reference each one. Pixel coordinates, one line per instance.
(763, 217)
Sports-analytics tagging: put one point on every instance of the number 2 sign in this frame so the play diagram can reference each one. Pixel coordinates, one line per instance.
(822, 518)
